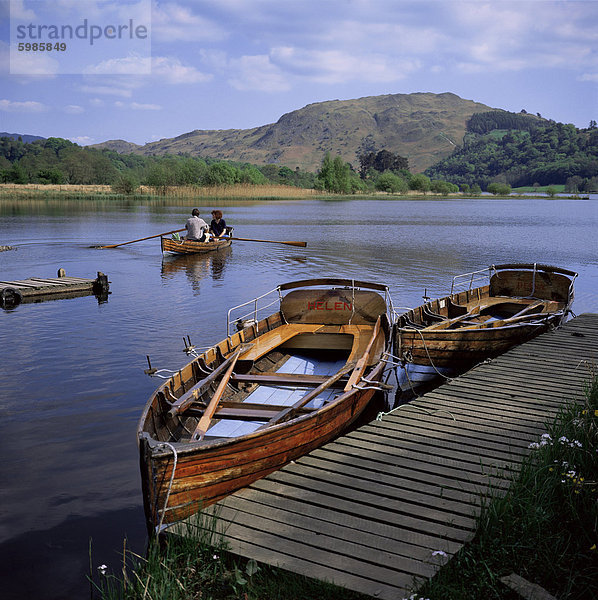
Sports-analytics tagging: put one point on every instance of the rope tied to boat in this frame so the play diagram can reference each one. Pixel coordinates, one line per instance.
(176, 457)
(430, 358)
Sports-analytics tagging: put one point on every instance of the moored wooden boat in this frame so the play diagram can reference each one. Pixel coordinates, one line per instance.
(273, 390)
(447, 336)
(191, 247)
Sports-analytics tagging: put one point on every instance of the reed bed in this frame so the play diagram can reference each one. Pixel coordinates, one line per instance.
(10, 191)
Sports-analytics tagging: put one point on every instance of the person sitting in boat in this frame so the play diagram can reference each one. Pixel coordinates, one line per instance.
(197, 228)
(218, 225)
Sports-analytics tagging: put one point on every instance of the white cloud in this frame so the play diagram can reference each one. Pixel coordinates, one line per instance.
(107, 90)
(257, 73)
(173, 23)
(172, 70)
(137, 106)
(82, 140)
(29, 106)
(128, 65)
(19, 12)
(74, 109)
(334, 66)
(589, 77)
(34, 63)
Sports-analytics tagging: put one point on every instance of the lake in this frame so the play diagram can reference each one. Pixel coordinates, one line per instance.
(72, 382)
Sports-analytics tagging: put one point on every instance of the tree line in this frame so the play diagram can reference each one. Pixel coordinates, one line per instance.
(520, 150)
(382, 171)
(59, 161)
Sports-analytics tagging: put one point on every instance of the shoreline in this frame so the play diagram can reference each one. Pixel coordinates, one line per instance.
(76, 192)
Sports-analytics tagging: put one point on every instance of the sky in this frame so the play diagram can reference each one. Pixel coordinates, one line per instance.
(143, 70)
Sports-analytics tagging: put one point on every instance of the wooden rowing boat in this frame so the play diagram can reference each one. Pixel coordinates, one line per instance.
(447, 336)
(273, 390)
(190, 247)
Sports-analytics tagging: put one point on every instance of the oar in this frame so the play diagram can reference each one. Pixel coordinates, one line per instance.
(300, 244)
(149, 237)
(205, 420)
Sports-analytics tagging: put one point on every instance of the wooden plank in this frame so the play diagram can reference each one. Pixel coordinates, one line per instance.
(391, 492)
(420, 502)
(468, 429)
(334, 524)
(507, 407)
(446, 442)
(204, 422)
(364, 469)
(454, 451)
(333, 498)
(288, 379)
(340, 522)
(323, 539)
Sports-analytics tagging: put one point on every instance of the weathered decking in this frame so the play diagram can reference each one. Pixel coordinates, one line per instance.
(371, 510)
(35, 289)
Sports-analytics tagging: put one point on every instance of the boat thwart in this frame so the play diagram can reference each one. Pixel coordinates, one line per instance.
(273, 390)
(447, 336)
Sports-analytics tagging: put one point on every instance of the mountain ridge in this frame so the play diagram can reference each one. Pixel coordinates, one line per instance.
(422, 126)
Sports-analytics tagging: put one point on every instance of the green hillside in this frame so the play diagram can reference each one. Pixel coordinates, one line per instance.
(423, 127)
(522, 150)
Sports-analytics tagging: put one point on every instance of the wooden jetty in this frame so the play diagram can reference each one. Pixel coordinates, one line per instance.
(384, 507)
(36, 289)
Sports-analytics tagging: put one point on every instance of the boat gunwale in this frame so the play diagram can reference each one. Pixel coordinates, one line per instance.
(193, 446)
(201, 248)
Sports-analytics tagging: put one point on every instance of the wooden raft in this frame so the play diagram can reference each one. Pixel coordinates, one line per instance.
(387, 505)
(36, 289)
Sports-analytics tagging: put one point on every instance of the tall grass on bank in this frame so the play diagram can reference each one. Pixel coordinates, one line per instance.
(195, 564)
(545, 529)
(246, 191)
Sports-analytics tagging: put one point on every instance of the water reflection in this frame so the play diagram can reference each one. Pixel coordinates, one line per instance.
(196, 266)
(72, 382)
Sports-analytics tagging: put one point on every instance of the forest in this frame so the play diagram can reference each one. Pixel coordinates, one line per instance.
(523, 150)
(59, 161)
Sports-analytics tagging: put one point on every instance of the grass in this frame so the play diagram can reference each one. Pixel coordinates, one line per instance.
(543, 529)
(81, 192)
(196, 565)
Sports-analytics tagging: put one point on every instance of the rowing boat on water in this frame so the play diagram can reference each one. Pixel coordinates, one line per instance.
(275, 389)
(192, 247)
(447, 336)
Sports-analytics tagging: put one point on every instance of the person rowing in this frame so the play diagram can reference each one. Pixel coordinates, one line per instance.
(197, 228)
(218, 225)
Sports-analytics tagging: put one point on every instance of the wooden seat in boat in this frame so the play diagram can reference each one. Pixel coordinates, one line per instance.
(275, 378)
(283, 335)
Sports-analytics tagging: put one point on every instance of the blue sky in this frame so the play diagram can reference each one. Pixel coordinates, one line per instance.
(222, 64)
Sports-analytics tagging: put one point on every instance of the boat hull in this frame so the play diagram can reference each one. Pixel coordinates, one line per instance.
(182, 474)
(442, 339)
(207, 474)
(190, 247)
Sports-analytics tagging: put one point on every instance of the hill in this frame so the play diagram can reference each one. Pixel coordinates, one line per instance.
(423, 127)
(522, 150)
(24, 137)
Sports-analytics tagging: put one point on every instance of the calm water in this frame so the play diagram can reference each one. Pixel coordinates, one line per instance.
(72, 384)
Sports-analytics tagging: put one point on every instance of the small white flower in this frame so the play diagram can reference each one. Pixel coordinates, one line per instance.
(103, 569)
(546, 436)
(534, 446)
(563, 440)
(439, 553)
(215, 557)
